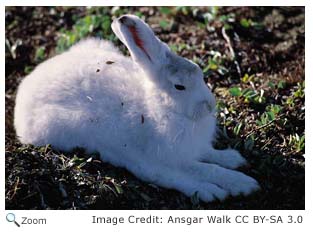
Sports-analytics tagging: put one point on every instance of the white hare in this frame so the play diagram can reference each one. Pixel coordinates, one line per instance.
(152, 114)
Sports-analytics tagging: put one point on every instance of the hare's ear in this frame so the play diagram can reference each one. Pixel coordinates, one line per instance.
(145, 48)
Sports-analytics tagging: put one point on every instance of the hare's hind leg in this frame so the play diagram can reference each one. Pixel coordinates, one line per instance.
(174, 179)
(170, 177)
(231, 181)
(228, 158)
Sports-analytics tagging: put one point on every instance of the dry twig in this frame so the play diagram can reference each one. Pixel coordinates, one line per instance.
(231, 50)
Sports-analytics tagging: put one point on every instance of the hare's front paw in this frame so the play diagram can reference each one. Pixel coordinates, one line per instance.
(233, 182)
(208, 192)
(228, 158)
(233, 159)
(242, 184)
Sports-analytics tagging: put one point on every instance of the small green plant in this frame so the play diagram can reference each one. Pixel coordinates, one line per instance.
(211, 14)
(299, 93)
(215, 63)
(164, 24)
(11, 48)
(297, 142)
(269, 115)
(265, 119)
(237, 128)
(165, 10)
(28, 69)
(274, 85)
(248, 95)
(247, 23)
(235, 92)
(281, 84)
(40, 54)
(139, 14)
(94, 24)
(247, 78)
(179, 47)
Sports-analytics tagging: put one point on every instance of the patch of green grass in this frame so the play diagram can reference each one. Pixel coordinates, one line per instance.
(93, 24)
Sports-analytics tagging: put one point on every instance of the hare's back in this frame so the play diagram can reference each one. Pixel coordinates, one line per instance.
(91, 71)
(81, 88)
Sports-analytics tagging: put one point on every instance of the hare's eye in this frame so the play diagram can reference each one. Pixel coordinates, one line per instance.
(180, 87)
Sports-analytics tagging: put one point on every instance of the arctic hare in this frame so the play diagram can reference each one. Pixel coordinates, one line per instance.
(152, 114)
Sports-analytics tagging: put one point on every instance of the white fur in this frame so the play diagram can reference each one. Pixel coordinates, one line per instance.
(131, 113)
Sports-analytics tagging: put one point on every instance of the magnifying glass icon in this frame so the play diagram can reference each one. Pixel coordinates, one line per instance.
(11, 218)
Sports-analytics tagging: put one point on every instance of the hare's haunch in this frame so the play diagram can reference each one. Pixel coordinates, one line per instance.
(152, 114)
